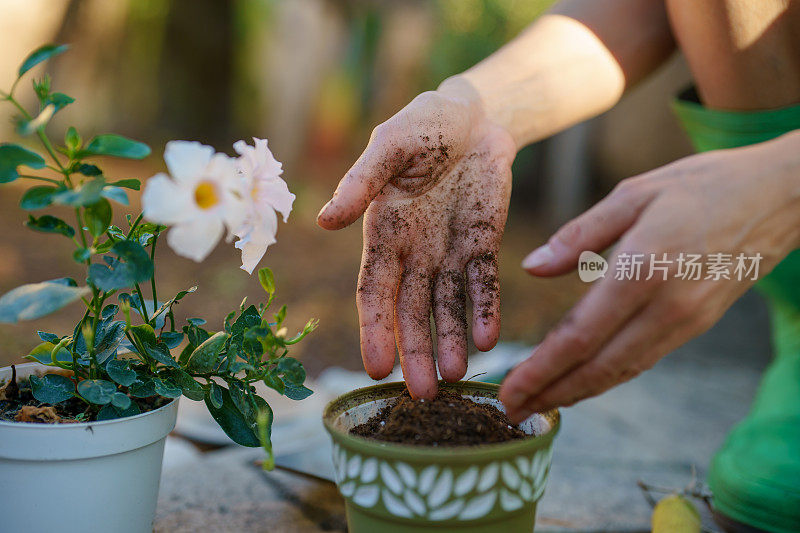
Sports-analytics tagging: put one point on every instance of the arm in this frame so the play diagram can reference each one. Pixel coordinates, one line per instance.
(570, 65)
(741, 201)
(435, 179)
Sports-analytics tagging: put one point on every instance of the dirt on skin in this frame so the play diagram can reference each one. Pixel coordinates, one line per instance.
(448, 420)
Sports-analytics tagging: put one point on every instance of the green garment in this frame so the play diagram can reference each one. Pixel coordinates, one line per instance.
(755, 476)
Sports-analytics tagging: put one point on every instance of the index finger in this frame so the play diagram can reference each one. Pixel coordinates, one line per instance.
(576, 339)
(382, 159)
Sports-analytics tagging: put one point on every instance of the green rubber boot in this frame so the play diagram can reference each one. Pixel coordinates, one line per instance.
(755, 476)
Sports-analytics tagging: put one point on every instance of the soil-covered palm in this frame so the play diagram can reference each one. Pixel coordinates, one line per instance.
(435, 182)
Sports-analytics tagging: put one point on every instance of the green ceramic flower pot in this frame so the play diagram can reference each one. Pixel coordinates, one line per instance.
(396, 488)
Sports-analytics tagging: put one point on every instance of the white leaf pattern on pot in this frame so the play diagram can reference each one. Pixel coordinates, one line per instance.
(446, 511)
(441, 489)
(525, 491)
(353, 466)
(478, 506)
(390, 479)
(407, 474)
(523, 465)
(509, 501)
(347, 489)
(466, 481)
(510, 475)
(436, 492)
(414, 502)
(488, 477)
(369, 470)
(366, 495)
(426, 479)
(395, 506)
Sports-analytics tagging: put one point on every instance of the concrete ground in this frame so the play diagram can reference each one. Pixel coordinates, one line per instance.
(655, 428)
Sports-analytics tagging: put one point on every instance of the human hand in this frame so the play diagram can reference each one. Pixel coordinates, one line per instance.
(434, 184)
(733, 201)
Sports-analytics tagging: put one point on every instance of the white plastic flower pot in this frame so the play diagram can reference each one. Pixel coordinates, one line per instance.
(86, 477)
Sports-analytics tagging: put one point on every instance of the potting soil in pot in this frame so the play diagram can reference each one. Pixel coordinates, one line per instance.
(447, 420)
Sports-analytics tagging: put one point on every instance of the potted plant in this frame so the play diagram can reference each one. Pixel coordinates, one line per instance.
(82, 428)
(398, 487)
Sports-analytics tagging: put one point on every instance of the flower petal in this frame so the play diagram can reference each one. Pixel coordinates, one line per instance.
(187, 160)
(255, 239)
(195, 238)
(274, 193)
(166, 202)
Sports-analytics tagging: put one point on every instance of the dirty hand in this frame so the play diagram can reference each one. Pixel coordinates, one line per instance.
(433, 184)
(732, 201)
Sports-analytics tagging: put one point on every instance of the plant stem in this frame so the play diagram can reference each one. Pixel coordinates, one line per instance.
(153, 279)
(144, 305)
(39, 178)
(133, 226)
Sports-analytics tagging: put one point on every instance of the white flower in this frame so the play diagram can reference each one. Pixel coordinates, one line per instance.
(198, 201)
(264, 193)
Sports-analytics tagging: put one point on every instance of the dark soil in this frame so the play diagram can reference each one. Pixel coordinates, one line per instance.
(448, 420)
(17, 404)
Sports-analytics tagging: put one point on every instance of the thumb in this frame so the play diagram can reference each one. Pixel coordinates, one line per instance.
(380, 162)
(595, 230)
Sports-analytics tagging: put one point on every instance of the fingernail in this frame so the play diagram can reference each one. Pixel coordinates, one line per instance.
(540, 256)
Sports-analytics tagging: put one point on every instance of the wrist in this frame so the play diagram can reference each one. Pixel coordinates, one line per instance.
(461, 88)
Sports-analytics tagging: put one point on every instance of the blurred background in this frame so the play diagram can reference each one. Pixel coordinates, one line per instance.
(314, 77)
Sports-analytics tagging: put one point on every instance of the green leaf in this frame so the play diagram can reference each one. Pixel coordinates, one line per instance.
(98, 217)
(292, 370)
(43, 353)
(134, 266)
(59, 101)
(231, 421)
(110, 412)
(50, 224)
(88, 170)
(280, 316)
(40, 54)
(116, 194)
(13, 156)
(72, 140)
(133, 184)
(272, 381)
(264, 428)
(121, 372)
(215, 395)
(109, 335)
(294, 392)
(97, 391)
(37, 299)
(48, 337)
(85, 194)
(191, 388)
(120, 400)
(205, 357)
(243, 402)
(146, 337)
(52, 388)
(172, 338)
(80, 255)
(116, 146)
(267, 280)
(38, 197)
(142, 388)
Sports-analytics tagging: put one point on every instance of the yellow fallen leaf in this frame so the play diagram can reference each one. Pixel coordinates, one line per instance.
(675, 514)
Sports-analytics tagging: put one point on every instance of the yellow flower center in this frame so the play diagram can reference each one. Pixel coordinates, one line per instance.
(205, 194)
